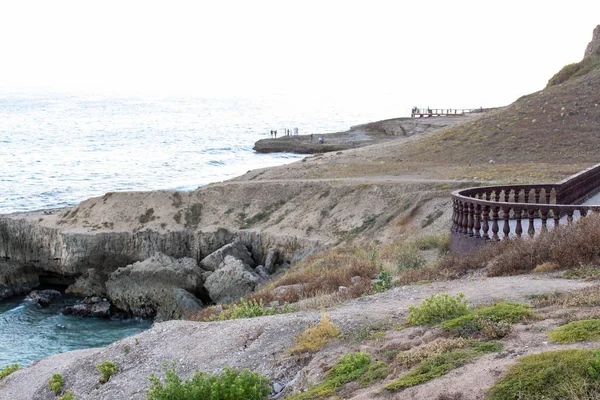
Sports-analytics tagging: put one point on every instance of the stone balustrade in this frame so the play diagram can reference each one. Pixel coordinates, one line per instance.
(493, 213)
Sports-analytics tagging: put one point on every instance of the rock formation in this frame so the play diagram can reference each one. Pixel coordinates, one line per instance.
(16, 279)
(44, 297)
(593, 48)
(232, 279)
(160, 286)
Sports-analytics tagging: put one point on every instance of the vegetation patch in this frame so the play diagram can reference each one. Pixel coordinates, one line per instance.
(68, 396)
(408, 256)
(177, 217)
(493, 322)
(552, 375)
(586, 297)
(587, 272)
(437, 308)
(316, 336)
(430, 218)
(574, 70)
(431, 242)
(418, 354)
(106, 369)
(350, 367)
(55, 383)
(229, 384)
(147, 216)
(443, 360)
(383, 282)
(576, 331)
(243, 309)
(192, 215)
(9, 369)
(256, 219)
(177, 200)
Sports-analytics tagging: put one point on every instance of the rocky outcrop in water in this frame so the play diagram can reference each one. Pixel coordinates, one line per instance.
(44, 297)
(90, 307)
(160, 286)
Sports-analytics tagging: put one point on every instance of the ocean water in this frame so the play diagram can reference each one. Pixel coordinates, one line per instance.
(57, 150)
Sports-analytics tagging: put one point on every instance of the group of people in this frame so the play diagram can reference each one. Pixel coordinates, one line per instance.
(288, 132)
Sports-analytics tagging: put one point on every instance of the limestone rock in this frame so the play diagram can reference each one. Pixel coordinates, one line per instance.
(593, 48)
(232, 280)
(235, 249)
(16, 279)
(44, 297)
(91, 283)
(147, 288)
(271, 260)
(262, 272)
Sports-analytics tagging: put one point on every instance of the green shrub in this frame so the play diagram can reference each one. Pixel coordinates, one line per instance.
(493, 322)
(552, 375)
(9, 369)
(576, 331)
(409, 257)
(431, 368)
(350, 367)
(106, 369)
(574, 70)
(438, 308)
(384, 282)
(439, 357)
(55, 383)
(228, 385)
(376, 372)
(249, 309)
(68, 396)
(594, 366)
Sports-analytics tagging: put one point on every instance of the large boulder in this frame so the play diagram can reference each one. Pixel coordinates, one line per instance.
(16, 279)
(232, 279)
(44, 297)
(593, 48)
(90, 307)
(236, 249)
(150, 288)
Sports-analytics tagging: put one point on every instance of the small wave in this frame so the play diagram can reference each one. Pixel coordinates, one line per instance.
(216, 163)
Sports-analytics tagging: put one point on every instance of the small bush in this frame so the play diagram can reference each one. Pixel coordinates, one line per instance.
(576, 331)
(192, 215)
(438, 308)
(574, 70)
(409, 257)
(9, 369)
(55, 383)
(384, 282)
(588, 272)
(228, 385)
(418, 354)
(350, 367)
(316, 336)
(594, 366)
(107, 369)
(147, 216)
(376, 372)
(552, 375)
(586, 297)
(68, 396)
(247, 309)
(492, 322)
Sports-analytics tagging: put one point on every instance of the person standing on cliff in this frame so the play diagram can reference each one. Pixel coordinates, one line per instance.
(275, 132)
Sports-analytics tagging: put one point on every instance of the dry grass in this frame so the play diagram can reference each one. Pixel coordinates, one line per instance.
(316, 336)
(587, 297)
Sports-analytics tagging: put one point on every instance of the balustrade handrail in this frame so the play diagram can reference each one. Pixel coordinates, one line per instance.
(478, 210)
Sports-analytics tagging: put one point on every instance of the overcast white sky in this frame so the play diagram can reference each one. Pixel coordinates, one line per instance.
(451, 53)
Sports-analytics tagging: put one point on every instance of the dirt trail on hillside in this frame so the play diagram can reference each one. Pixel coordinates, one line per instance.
(263, 344)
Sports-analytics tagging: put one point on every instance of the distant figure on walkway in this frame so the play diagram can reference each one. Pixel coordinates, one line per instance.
(296, 131)
(321, 140)
(271, 132)
(311, 137)
(275, 133)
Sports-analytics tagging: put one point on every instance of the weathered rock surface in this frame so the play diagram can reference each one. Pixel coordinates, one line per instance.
(90, 307)
(232, 279)
(16, 279)
(593, 48)
(44, 297)
(236, 249)
(91, 283)
(147, 288)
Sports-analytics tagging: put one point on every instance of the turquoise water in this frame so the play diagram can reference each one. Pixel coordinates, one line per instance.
(29, 332)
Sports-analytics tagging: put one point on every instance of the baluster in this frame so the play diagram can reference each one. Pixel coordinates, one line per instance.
(537, 195)
(477, 220)
(531, 216)
(488, 195)
(471, 210)
(526, 195)
(453, 228)
(495, 228)
(549, 194)
(460, 215)
(544, 214)
(463, 218)
(506, 195)
(518, 228)
(505, 217)
(569, 217)
(583, 212)
(484, 222)
(556, 217)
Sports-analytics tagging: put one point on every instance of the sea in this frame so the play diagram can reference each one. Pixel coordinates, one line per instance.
(57, 150)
